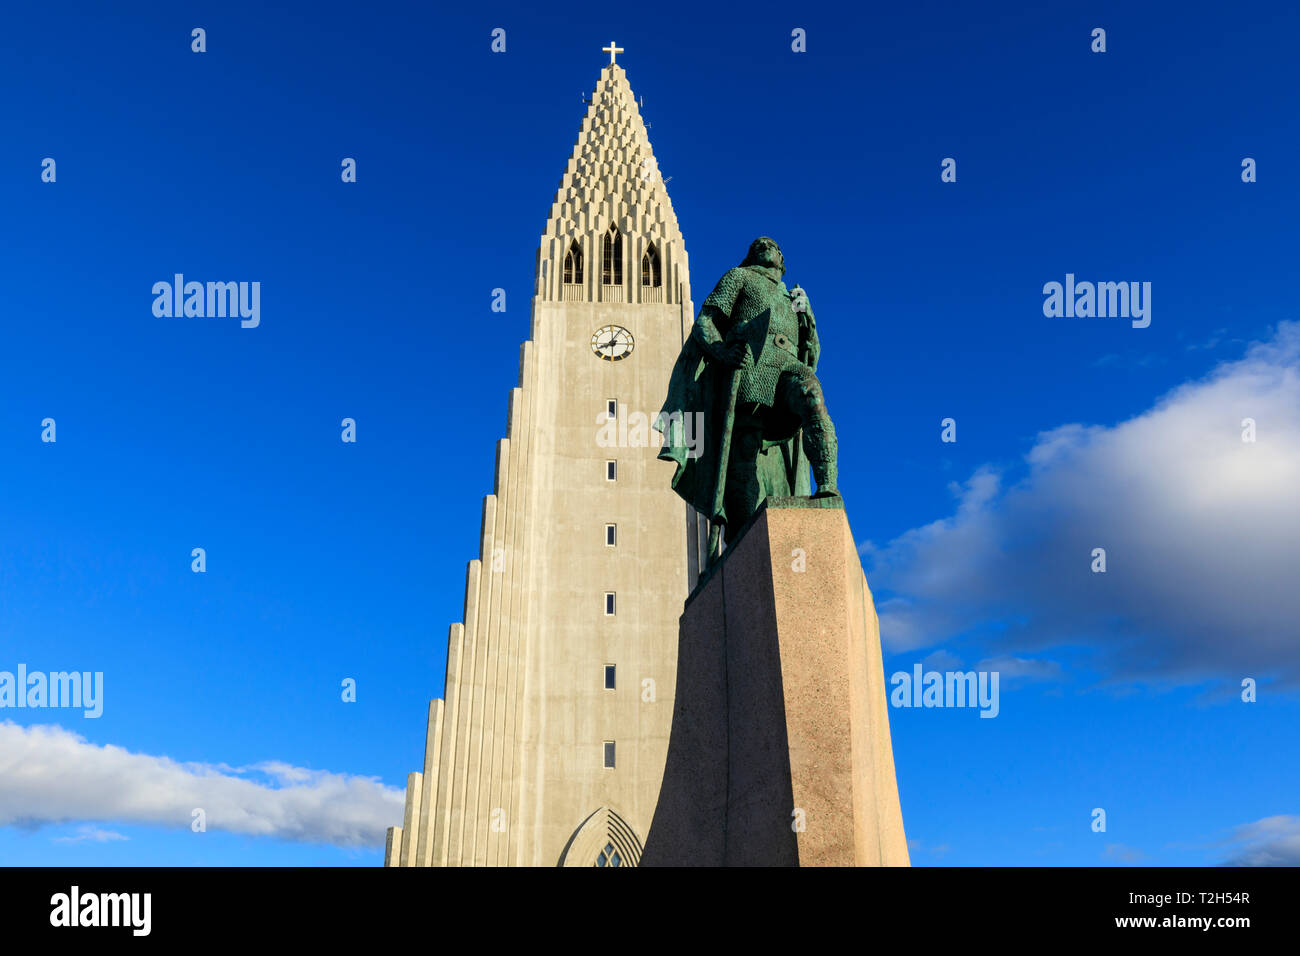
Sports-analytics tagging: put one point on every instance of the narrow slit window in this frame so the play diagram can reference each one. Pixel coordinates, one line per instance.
(572, 264)
(609, 755)
(612, 257)
(609, 677)
(611, 535)
(611, 471)
(609, 603)
(650, 272)
(611, 408)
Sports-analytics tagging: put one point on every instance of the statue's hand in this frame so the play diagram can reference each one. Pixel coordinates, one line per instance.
(736, 355)
(799, 300)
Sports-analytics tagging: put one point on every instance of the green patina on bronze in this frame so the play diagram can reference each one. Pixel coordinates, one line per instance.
(749, 366)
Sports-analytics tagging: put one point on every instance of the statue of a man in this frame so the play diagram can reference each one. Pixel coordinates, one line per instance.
(749, 366)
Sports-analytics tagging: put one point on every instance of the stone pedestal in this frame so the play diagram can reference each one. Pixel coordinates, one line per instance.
(780, 752)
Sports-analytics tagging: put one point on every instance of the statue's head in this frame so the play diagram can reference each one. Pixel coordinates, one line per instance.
(765, 252)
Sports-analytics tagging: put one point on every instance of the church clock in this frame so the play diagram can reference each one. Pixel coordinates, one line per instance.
(613, 343)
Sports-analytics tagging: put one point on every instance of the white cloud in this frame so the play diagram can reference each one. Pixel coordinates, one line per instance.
(1272, 841)
(941, 660)
(1120, 853)
(917, 846)
(1019, 668)
(1201, 531)
(92, 834)
(50, 775)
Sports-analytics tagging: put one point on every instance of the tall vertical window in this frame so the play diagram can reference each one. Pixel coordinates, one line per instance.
(611, 270)
(611, 535)
(573, 264)
(650, 274)
(609, 603)
(611, 471)
(609, 677)
(609, 755)
(611, 408)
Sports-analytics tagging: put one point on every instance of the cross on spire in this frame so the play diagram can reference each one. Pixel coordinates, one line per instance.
(611, 50)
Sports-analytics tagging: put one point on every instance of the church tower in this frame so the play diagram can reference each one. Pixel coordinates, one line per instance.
(549, 743)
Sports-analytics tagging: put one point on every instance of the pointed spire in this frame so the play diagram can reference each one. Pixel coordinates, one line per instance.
(612, 178)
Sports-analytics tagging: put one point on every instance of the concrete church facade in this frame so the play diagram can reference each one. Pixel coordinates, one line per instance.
(549, 743)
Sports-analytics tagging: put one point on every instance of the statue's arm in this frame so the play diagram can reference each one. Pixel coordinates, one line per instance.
(812, 347)
(714, 320)
(809, 346)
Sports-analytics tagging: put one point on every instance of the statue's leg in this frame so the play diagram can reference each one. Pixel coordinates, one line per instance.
(715, 542)
(803, 396)
(744, 492)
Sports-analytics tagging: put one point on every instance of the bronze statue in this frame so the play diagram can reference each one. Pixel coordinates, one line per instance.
(749, 366)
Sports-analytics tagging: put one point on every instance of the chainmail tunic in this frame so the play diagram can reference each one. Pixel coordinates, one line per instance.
(751, 303)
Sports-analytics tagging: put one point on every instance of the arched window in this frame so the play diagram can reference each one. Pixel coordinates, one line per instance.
(609, 857)
(612, 249)
(573, 264)
(650, 266)
(603, 839)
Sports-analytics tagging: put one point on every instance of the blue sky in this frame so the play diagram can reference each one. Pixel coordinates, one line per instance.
(327, 561)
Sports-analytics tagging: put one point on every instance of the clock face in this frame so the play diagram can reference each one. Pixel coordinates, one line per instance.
(613, 343)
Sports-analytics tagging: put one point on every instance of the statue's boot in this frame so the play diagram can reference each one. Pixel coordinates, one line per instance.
(822, 449)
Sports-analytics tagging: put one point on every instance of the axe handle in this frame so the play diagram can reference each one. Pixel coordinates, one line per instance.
(724, 453)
